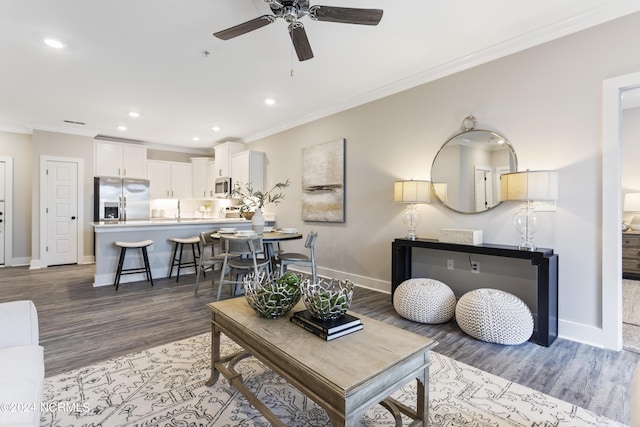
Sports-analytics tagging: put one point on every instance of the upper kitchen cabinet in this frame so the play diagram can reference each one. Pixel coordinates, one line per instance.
(248, 167)
(123, 160)
(224, 153)
(169, 180)
(202, 177)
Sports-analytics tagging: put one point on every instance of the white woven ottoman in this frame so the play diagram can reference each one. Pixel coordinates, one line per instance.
(494, 316)
(424, 301)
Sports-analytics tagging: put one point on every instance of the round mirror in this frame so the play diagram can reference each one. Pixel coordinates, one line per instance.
(465, 174)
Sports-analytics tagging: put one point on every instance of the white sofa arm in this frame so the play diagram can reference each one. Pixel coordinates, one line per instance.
(18, 324)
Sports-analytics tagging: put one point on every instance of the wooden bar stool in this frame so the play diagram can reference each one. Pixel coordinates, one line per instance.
(142, 245)
(176, 258)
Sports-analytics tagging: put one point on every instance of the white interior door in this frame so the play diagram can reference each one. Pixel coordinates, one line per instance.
(62, 213)
(483, 196)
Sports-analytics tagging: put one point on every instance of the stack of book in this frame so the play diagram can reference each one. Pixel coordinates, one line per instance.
(327, 329)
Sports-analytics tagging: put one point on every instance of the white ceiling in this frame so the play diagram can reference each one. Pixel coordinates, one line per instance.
(147, 56)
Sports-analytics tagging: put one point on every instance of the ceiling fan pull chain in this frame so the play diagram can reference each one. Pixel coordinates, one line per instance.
(291, 72)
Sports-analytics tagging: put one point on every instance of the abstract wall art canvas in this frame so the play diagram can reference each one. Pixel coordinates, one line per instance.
(323, 182)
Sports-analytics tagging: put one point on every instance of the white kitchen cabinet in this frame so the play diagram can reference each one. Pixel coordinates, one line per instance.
(169, 180)
(211, 178)
(248, 167)
(122, 160)
(200, 187)
(224, 153)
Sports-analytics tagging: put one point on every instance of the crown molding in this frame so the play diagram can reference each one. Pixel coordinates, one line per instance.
(574, 24)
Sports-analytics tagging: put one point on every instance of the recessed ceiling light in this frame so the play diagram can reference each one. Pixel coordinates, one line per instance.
(122, 128)
(215, 129)
(134, 114)
(195, 138)
(269, 101)
(56, 44)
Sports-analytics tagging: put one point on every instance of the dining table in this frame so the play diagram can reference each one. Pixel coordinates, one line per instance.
(269, 240)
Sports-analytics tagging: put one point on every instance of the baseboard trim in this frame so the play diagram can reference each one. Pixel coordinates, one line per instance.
(88, 259)
(581, 333)
(18, 262)
(361, 281)
(37, 263)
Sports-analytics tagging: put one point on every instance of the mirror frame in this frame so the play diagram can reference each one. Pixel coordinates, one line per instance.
(454, 137)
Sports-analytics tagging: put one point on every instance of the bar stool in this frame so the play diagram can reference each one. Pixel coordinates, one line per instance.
(142, 245)
(179, 244)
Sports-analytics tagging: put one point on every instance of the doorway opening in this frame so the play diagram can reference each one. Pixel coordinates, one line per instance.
(611, 256)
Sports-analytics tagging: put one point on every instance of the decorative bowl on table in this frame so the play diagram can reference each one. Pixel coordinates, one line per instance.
(271, 296)
(327, 300)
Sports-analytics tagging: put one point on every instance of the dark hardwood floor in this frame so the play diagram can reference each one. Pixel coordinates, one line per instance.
(81, 325)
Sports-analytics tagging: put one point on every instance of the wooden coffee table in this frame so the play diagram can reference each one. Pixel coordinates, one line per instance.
(345, 376)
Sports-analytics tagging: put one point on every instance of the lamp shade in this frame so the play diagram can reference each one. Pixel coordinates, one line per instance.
(411, 192)
(530, 185)
(631, 202)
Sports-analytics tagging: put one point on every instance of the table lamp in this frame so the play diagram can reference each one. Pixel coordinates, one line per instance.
(411, 192)
(632, 204)
(528, 186)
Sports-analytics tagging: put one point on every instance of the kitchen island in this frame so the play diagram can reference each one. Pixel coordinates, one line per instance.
(158, 230)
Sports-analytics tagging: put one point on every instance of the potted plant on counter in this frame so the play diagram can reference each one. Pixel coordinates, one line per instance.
(251, 202)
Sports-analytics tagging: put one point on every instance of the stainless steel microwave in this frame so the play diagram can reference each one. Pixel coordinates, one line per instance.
(223, 186)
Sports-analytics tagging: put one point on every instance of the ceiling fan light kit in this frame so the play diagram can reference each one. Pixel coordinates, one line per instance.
(293, 10)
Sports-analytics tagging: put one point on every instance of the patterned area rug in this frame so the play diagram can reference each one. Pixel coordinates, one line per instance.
(164, 386)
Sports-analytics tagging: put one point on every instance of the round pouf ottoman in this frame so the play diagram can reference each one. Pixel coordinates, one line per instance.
(425, 301)
(494, 316)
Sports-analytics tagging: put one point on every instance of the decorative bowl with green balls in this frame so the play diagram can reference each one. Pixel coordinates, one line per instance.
(327, 300)
(271, 296)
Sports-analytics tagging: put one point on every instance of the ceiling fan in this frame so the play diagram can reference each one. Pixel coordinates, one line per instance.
(291, 11)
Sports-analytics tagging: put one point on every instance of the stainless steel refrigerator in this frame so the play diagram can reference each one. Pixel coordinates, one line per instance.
(120, 199)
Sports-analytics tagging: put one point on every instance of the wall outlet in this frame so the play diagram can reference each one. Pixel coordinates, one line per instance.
(475, 267)
(449, 264)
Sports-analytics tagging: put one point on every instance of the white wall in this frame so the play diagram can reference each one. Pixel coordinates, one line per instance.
(546, 101)
(18, 146)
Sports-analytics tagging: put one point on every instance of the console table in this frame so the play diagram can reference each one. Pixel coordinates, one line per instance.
(546, 328)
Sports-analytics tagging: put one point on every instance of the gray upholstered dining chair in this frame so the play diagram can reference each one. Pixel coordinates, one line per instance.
(287, 258)
(241, 254)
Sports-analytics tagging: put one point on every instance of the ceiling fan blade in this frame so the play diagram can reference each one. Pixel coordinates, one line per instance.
(346, 15)
(300, 41)
(245, 27)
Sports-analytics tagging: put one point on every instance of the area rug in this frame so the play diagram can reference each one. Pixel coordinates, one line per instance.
(631, 315)
(164, 386)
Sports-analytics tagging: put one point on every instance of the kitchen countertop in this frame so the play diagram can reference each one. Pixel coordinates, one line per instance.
(172, 222)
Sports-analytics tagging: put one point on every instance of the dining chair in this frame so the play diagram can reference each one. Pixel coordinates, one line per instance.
(241, 254)
(303, 260)
(209, 259)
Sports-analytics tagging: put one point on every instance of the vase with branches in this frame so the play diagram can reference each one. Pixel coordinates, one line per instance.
(250, 199)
